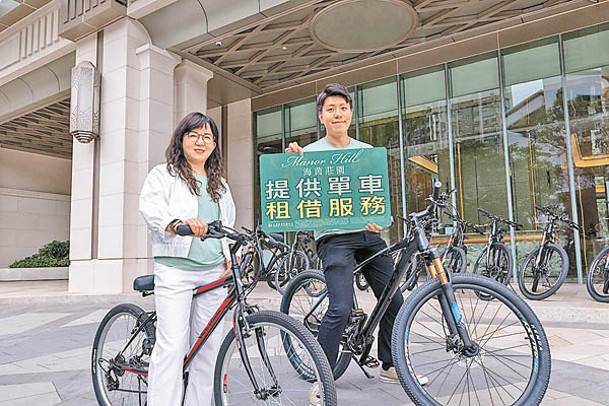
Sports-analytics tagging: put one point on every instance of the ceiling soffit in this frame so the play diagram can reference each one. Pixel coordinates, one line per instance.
(45, 131)
(287, 48)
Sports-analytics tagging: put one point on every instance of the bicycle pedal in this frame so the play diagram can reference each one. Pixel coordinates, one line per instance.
(371, 363)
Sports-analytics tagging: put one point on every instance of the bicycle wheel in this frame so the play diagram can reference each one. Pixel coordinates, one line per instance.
(306, 300)
(597, 281)
(455, 260)
(499, 264)
(539, 282)
(271, 365)
(290, 265)
(120, 357)
(361, 282)
(511, 366)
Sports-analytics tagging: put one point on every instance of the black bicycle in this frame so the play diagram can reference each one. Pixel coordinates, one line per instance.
(255, 363)
(454, 256)
(473, 351)
(597, 281)
(545, 268)
(300, 257)
(496, 260)
(284, 260)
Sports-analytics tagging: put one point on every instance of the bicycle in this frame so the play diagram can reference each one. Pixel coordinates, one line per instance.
(597, 281)
(284, 258)
(472, 350)
(495, 261)
(252, 365)
(544, 269)
(454, 256)
(299, 258)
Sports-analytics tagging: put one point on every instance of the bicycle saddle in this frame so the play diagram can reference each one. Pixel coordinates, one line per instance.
(143, 283)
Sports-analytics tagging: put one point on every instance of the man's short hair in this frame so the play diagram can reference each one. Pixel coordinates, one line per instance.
(333, 89)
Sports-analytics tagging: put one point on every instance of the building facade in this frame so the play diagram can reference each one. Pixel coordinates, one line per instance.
(505, 102)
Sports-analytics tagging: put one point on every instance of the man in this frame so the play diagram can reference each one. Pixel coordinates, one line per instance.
(339, 248)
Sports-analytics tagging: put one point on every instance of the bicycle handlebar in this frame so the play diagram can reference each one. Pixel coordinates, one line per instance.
(499, 218)
(564, 218)
(213, 230)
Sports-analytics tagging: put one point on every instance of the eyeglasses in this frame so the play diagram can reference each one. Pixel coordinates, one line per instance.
(193, 136)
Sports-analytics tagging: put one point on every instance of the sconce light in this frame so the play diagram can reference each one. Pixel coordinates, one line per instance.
(84, 102)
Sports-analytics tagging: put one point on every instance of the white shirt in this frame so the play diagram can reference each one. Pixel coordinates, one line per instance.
(165, 198)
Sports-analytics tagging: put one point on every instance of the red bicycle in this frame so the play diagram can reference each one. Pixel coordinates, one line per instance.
(267, 357)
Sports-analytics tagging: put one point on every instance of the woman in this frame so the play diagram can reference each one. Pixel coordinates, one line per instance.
(188, 189)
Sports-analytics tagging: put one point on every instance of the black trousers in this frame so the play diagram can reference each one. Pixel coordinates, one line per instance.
(339, 253)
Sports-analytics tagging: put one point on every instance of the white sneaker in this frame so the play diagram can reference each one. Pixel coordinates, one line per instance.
(391, 376)
(314, 396)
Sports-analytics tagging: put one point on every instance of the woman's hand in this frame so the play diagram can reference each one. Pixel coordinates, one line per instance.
(294, 147)
(227, 271)
(198, 227)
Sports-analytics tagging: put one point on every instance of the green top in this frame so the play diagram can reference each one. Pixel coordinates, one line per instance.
(323, 145)
(203, 255)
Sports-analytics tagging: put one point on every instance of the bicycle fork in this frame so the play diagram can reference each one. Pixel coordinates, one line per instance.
(242, 330)
(459, 338)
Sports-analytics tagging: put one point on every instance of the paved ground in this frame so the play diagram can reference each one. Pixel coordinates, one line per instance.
(46, 334)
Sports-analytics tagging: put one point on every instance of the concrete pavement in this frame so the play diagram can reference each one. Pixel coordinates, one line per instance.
(46, 336)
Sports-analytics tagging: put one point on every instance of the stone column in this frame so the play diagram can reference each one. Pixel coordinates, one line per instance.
(82, 231)
(156, 127)
(136, 122)
(191, 89)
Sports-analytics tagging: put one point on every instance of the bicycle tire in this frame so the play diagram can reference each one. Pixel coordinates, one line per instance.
(232, 385)
(290, 265)
(529, 280)
(307, 290)
(499, 327)
(597, 281)
(455, 259)
(107, 345)
(361, 282)
(502, 272)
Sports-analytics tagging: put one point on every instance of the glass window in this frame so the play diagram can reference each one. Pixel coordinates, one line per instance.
(378, 126)
(588, 101)
(477, 127)
(268, 136)
(301, 122)
(535, 129)
(425, 124)
(532, 61)
(586, 48)
(474, 75)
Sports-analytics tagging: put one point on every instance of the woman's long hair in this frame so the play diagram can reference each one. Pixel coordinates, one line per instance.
(177, 165)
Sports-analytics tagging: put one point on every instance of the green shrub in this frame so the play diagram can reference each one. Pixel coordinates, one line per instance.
(56, 253)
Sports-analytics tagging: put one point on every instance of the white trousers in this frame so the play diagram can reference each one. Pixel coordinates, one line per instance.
(180, 320)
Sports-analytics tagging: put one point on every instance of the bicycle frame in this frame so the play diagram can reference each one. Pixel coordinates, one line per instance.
(433, 261)
(236, 297)
(547, 237)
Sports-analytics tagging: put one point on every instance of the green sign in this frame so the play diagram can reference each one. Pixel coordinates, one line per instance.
(322, 190)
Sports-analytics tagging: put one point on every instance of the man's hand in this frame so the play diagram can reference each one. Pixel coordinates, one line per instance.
(294, 147)
(375, 228)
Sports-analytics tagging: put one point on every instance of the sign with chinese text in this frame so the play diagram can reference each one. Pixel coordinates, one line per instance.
(322, 190)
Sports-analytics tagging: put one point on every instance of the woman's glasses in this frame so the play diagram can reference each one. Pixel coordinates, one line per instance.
(193, 136)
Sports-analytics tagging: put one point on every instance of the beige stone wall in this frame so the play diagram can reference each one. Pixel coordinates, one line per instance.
(34, 203)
